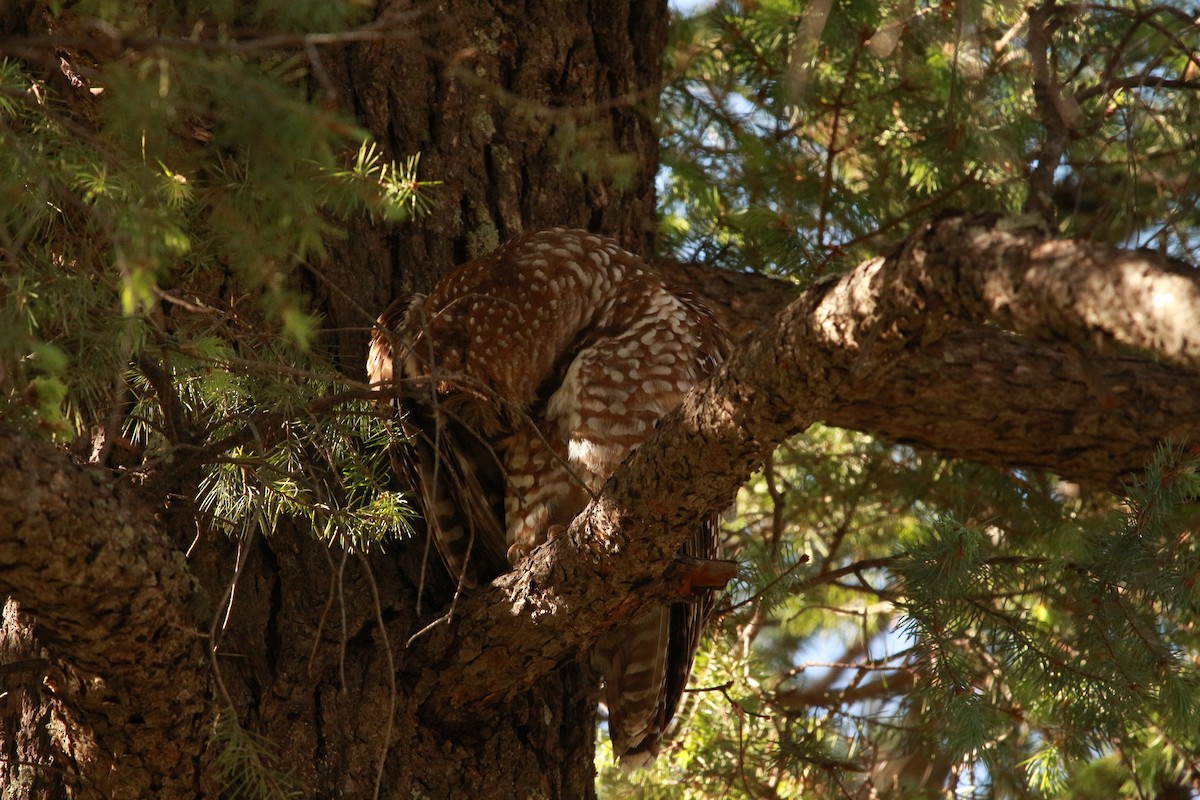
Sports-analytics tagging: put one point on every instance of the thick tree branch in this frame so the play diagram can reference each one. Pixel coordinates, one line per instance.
(1088, 293)
(986, 395)
(838, 347)
(91, 564)
(968, 394)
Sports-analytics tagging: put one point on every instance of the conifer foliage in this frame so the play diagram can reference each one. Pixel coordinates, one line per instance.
(908, 626)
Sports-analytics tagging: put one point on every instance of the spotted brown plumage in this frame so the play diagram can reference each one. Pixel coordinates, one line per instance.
(534, 371)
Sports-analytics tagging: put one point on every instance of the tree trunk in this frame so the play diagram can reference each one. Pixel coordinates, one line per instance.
(529, 116)
(132, 630)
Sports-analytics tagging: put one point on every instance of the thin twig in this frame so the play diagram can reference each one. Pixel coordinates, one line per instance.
(312, 655)
(391, 664)
(221, 619)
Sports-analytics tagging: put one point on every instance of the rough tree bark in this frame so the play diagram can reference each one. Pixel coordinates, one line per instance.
(104, 654)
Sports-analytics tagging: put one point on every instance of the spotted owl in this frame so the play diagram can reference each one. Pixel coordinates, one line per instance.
(533, 372)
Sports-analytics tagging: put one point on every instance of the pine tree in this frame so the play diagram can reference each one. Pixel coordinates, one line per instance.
(956, 244)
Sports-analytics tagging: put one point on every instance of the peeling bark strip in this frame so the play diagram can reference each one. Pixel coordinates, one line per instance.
(841, 344)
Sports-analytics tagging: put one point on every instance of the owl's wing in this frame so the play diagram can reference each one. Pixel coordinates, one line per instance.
(455, 471)
(609, 400)
(462, 495)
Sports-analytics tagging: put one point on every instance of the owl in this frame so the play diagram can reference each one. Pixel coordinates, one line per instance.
(530, 374)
